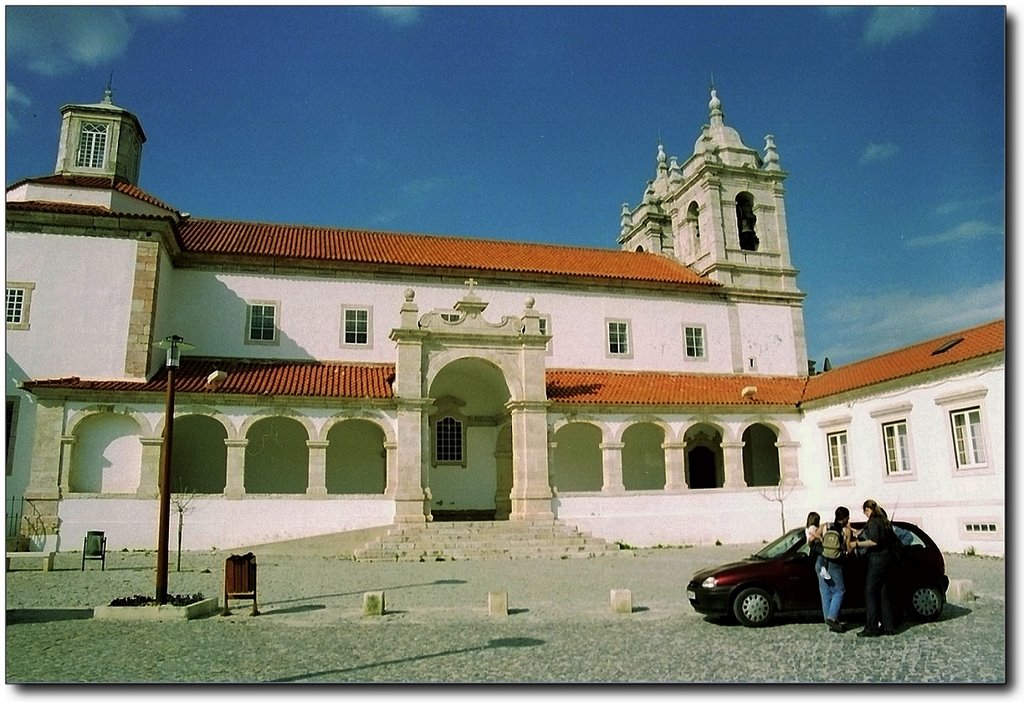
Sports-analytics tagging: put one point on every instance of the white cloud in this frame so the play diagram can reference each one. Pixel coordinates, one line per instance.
(878, 152)
(865, 326)
(965, 231)
(947, 208)
(58, 40)
(421, 187)
(886, 24)
(16, 101)
(402, 16)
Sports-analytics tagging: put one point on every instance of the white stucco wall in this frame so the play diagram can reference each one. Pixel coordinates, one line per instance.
(80, 304)
(209, 310)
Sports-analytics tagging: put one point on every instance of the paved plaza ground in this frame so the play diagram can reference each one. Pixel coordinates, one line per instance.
(436, 629)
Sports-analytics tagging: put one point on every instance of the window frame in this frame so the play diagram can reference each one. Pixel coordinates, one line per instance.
(901, 454)
(544, 322)
(627, 332)
(978, 438)
(23, 324)
(460, 424)
(249, 317)
(87, 153)
(703, 356)
(844, 458)
(368, 331)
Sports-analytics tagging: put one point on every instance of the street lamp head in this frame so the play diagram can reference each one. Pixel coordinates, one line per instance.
(174, 345)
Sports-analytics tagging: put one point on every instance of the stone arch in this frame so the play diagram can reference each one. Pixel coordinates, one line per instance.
(577, 460)
(107, 456)
(356, 460)
(199, 454)
(378, 418)
(504, 362)
(276, 455)
(311, 433)
(746, 221)
(643, 458)
(145, 427)
(187, 410)
(760, 456)
(704, 458)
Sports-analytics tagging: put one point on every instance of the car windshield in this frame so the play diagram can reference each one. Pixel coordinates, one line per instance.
(782, 545)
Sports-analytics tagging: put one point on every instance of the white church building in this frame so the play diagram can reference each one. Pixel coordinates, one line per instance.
(341, 379)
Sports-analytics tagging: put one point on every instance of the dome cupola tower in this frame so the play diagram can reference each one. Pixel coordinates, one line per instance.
(100, 139)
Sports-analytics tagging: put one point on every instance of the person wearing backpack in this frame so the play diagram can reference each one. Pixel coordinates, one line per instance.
(875, 539)
(836, 542)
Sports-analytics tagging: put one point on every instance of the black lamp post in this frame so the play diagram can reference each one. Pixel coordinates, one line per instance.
(174, 346)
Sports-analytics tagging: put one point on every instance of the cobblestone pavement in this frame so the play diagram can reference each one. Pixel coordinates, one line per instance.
(437, 629)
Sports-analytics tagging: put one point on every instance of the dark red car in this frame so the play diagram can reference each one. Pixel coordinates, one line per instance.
(780, 578)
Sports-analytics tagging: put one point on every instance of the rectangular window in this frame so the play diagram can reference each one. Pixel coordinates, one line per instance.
(262, 327)
(838, 462)
(19, 298)
(448, 440)
(967, 438)
(897, 448)
(694, 340)
(618, 338)
(356, 323)
(545, 328)
(92, 145)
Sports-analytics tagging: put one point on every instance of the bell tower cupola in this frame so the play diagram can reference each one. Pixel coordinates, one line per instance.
(721, 213)
(100, 139)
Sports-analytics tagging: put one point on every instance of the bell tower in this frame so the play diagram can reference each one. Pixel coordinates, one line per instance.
(101, 139)
(720, 213)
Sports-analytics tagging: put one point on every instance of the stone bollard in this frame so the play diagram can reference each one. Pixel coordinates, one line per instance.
(497, 603)
(622, 601)
(373, 604)
(960, 591)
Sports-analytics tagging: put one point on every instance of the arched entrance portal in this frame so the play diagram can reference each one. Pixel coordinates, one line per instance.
(464, 428)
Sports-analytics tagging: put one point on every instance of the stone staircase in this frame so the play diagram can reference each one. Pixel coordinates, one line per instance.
(483, 540)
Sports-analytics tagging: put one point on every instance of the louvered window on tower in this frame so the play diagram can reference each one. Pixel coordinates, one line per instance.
(92, 145)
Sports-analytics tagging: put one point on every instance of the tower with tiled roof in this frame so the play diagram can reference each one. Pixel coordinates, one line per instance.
(100, 139)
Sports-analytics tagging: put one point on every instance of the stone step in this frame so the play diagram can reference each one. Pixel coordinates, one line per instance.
(482, 540)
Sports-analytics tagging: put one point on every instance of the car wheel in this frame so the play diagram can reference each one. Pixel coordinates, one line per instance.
(753, 607)
(926, 603)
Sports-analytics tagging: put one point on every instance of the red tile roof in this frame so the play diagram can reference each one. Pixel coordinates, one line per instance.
(75, 209)
(649, 388)
(253, 377)
(929, 355)
(202, 236)
(99, 182)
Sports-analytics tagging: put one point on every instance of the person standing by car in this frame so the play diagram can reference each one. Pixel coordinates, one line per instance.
(874, 539)
(834, 550)
(812, 532)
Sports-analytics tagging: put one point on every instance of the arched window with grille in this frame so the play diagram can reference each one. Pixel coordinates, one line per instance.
(92, 145)
(448, 441)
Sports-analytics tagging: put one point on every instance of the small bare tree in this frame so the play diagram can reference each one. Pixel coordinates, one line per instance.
(779, 493)
(182, 501)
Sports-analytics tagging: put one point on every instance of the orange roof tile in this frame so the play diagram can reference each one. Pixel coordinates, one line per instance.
(100, 182)
(936, 353)
(252, 377)
(76, 209)
(650, 388)
(204, 236)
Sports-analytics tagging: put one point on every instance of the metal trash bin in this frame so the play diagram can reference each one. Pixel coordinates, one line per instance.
(240, 580)
(94, 548)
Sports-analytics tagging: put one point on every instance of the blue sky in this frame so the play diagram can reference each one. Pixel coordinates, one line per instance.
(538, 123)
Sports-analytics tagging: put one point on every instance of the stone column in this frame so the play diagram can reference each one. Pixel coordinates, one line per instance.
(149, 478)
(390, 480)
(234, 486)
(531, 491)
(611, 468)
(43, 491)
(732, 453)
(503, 493)
(317, 481)
(411, 504)
(675, 466)
(789, 468)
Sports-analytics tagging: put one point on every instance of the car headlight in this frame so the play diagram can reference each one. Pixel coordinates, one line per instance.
(709, 582)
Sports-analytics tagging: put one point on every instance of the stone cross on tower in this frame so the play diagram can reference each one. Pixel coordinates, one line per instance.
(472, 284)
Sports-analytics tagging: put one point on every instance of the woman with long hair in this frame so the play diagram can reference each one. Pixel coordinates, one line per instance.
(874, 539)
